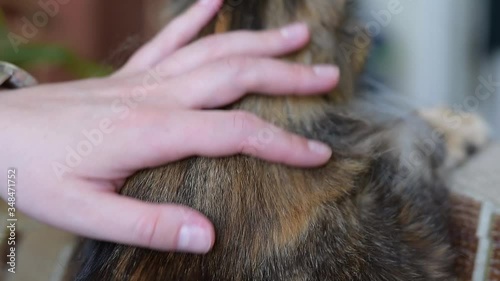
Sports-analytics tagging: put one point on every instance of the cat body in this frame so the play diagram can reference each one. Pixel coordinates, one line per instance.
(378, 210)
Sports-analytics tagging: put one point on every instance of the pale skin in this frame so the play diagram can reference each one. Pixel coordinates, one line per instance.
(173, 120)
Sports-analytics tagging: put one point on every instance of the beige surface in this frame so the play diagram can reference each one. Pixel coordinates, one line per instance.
(41, 251)
(43, 255)
(480, 176)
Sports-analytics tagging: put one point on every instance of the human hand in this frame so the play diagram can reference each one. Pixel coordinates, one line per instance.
(74, 144)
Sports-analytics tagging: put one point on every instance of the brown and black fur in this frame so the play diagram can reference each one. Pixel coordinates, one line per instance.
(378, 210)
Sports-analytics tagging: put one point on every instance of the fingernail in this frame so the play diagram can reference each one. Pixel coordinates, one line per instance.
(326, 70)
(294, 31)
(319, 148)
(194, 239)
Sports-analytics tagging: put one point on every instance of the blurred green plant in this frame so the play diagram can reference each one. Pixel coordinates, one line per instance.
(33, 55)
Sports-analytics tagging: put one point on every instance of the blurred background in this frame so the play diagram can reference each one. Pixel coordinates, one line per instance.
(440, 52)
(444, 52)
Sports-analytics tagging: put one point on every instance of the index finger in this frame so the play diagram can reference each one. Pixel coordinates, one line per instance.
(175, 35)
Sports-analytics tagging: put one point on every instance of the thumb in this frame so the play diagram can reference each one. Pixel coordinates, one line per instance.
(111, 217)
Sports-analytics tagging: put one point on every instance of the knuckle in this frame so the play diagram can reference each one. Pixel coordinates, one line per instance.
(146, 228)
(249, 147)
(237, 64)
(298, 143)
(297, 70)
(243, 122)
(244, 72)
(297, 74)
(214, 43)
(290, 145)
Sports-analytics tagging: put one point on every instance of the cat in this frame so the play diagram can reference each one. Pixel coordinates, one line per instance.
(378, 210)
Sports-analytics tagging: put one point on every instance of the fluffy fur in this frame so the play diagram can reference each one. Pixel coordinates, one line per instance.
(378, 210)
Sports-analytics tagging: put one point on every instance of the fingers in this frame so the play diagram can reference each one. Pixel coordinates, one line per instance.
(242, 43)
(217, 134)
(109, 217)
(178, 33)
(239, 76)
